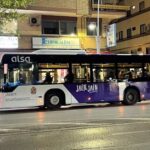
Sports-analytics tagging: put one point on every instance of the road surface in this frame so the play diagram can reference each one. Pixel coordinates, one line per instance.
(98, 127)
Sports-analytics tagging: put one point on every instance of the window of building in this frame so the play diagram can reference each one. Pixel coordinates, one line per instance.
(141, 5)
(67, 27)
(128, 13)
(133, 28)
(134, 51)
(95, 1)
(120, 35)
(58, 26)
(129, 33)
(148, 50)
(50, 27)
(142, 28)
(120, 1)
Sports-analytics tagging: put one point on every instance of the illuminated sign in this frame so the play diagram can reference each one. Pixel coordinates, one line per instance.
(56, 43)
(111, 35)
(8, 42)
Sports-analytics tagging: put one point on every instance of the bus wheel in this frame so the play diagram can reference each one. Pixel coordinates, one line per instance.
(53, 100)
(131, 97)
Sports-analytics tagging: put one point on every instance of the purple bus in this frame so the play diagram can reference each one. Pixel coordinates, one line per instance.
(53, 80)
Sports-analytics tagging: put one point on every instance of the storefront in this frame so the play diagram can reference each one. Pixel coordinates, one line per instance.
(55, 43)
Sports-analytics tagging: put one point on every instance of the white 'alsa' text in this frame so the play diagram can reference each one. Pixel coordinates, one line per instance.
(24, 59)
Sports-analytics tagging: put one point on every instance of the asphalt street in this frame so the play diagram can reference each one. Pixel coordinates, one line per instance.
(98, 127)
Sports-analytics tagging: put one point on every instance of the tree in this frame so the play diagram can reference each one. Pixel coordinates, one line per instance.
(8, 9)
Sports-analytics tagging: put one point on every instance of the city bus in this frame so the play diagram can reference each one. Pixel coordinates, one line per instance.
(95, 78)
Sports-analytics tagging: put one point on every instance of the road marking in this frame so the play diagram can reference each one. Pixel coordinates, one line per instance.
(131, 132)
(4, 130)
(132, 118)
(100, 124)
(77, 123)
(73, 125)
(56, 123)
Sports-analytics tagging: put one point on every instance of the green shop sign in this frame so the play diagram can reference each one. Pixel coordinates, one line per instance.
(59, 43)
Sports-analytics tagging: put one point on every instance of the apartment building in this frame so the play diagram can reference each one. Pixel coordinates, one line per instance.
(67, 24)
(133, 31)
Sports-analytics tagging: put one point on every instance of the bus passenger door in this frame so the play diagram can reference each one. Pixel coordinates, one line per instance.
(105, 75)
(111, 91)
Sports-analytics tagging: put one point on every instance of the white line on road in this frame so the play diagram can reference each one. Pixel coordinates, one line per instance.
(100, 124)
(7, 130)
(132, 118)
(131, 132)
(80, 123)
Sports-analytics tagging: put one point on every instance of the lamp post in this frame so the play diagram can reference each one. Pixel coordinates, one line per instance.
(98, 36)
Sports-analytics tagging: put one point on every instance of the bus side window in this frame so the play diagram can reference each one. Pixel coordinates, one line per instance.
(22, 79)
(48, 78)
(81, 72)
(121, 75)
(109, 74)
(97, 74)
(69, 78)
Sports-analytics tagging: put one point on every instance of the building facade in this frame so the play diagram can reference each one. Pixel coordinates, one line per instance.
(133, 31)
(61, 25)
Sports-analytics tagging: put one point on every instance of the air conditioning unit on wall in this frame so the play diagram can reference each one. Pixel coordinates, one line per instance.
(35, 20)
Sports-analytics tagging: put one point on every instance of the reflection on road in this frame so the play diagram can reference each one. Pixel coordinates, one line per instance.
(40, 117)
(95, 127)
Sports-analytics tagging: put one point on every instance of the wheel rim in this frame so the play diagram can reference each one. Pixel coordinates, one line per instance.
(130, 97)
(54, 100)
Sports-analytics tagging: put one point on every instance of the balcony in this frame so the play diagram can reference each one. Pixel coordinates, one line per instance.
(109, 9)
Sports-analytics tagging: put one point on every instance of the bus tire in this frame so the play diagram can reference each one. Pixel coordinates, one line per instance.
(131, 96)
(53, 100)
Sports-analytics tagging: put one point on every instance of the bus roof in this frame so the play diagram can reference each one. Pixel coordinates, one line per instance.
(9, 58)
(45, 52)
(60, 51)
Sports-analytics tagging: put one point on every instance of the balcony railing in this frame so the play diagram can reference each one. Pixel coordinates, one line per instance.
(109, 5)
(104, 1)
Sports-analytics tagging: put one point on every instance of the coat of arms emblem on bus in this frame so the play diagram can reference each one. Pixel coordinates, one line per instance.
(33, 90)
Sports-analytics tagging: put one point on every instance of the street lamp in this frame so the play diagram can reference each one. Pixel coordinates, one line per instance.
(92, 26)
(133, 7)
(98, 36)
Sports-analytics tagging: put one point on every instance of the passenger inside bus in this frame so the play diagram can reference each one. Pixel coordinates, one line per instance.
(69, 77)
(48, 78)
(129, 75)
(121, 75)
(111, 75)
